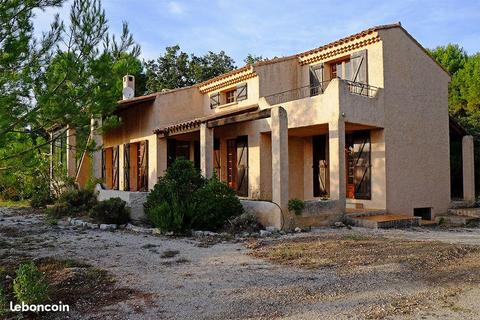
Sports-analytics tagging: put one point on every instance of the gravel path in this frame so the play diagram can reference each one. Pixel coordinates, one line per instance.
(224, 282)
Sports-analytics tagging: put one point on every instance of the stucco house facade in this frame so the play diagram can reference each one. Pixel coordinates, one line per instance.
(357, 124)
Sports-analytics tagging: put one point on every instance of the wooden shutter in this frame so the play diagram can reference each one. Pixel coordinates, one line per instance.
(133, 166)
(214, 100)
(358, 65)
(143, 166)
(242, 166)
(362, 167)
(232, 163)
(241, 92)
(116, 171)
(103, 166)
(108, 159)
(316, 79)
(126, 167)
(216, 157)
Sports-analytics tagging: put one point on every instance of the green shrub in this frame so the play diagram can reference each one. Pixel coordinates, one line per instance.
(73, 202)
(216, 203)
(29, 285)
(3, 302)
(246, 222)
(184, 200)
(110, 211)
(296, 205)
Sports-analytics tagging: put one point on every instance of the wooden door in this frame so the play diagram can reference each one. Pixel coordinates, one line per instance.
(107, 168)
(115, 169)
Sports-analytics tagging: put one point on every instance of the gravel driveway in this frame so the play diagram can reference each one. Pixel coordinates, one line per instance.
(224, 281)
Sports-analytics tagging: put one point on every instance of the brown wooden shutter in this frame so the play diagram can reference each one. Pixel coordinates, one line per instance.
(216, 157)
(116, 171)
(143, 166)
(316, 80)
(214, 100)
(362, 167)
(241, 92)
(108, 167)
(358, 65)
(126, 167)
(103, 166)
(133, 166)
(242, 166)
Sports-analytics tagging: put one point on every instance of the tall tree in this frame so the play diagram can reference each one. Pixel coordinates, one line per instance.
(177, 69)
(251, 59)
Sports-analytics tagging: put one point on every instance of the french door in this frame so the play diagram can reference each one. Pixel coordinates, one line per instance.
(358, 166)
(237, 165)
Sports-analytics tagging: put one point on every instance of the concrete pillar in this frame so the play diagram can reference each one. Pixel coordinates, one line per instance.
(71, 152)
(206, 150)
(161, 156)
(468, 169)
(336, 142)
(280, 173)
(96, 134)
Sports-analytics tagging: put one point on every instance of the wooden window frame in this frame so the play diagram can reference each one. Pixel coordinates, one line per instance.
(230, 96)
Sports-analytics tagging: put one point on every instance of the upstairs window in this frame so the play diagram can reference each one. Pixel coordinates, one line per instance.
(230, 96)
(233, 95)
(340, 69)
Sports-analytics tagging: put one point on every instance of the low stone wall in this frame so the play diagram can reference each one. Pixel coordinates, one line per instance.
(134, 200)
(319, 213)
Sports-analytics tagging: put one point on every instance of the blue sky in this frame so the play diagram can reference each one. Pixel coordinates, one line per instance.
(280, 28)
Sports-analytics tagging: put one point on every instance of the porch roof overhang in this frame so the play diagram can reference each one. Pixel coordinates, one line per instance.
(214, 120)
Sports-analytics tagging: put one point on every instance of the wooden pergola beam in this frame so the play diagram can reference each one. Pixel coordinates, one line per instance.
(262, 114)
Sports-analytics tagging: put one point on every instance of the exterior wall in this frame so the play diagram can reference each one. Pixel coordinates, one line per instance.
(416, 127)
(278, 77)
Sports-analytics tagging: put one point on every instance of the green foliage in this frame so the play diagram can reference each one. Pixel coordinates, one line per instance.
(296, 205)
(246, 222)
(251, 59)
(177, 69)
(216, 203)
(110, 211)
(452, 57)
(73, 202)
(3, 302)
(184, 200)
(29, 285)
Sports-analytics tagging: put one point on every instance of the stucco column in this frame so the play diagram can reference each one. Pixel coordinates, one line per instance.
(161, 156)
(336, 149)
(71, 152)
(206, 150)
(95, 132)
(280, 173)
(468, 169)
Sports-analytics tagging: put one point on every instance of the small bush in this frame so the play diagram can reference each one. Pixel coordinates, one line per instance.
(3, 302)
(110, 211)
(41, 199)
(73, 202)
(29, 285)
(296, 205)
(184, 200)
(216, 203)
(246, 222)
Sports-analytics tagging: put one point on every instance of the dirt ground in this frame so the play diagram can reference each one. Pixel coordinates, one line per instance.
(325, 274)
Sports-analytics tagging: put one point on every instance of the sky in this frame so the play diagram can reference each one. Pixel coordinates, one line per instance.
(279, 28)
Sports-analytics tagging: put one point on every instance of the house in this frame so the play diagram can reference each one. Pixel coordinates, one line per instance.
(357, 125)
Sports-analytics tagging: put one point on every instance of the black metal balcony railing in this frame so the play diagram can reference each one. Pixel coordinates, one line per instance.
(297, 93)
(362, 89)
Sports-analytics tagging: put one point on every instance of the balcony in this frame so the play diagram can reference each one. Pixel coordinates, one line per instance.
(357, 88)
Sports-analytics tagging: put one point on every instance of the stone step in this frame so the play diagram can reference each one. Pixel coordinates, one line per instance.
(385, 221)
(365, 212)
(469, 212)
(456, 219)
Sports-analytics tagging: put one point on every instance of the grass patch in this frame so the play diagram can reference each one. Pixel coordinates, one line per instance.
(169, 253)
(15, 204)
